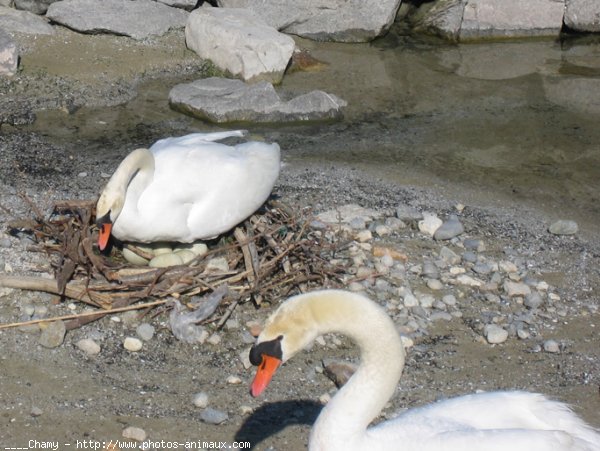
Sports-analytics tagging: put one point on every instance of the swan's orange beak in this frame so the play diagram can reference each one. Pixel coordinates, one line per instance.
(104, 235)
(264, 374)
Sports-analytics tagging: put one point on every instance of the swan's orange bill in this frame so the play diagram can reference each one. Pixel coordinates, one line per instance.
(104, 235)
(264, 373)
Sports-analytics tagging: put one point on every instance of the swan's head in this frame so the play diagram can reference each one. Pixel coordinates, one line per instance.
(291, 328)
(108, 208)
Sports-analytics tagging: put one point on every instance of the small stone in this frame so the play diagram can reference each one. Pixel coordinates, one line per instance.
(89, 346)
(482, 268)
(542, 286)
(356, 287)
(495, 334)
(200, 400)
(429, 224)
(533, 300)
(523, 334)
(406, 213)
(469, 256)
(551, 346)
(132, 344)
(339, 371)
(213, 416)
(364, 235)
(410, 300)
(507, 267)
(449, 256)
(324, 398)
(232, 324)
(244, 357)
(426, 300)
(246, 410)
(254, 327)
(564, 227)
(449, 229)
(382, 230)
(516, 288)
(435, 284)
(381, 251)
(436, 316)
(36, 412)
(468, 281)
(133, 433)
(53, 334)
(358, 223)
(407, 342)
(474, 244)
(145, 331)
(214, 339)
(233, 380)
(449, 299)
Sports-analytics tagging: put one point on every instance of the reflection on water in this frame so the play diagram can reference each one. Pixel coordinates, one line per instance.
(515, 121)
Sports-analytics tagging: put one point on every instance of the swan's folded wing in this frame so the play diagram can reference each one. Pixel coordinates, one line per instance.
(507, 440)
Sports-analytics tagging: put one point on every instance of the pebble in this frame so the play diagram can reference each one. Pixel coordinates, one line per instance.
(449, 256)
(132, 344)
(410, 301)
(435, 284)
(36, 412)
(551, 346)
(533, 300)
(507, 267)
(429, 224)
(564, 227)
(516, 288)
(218, 264)
(449, 229)
(233, 380)
(213, 416)
(200, 400)
(406, 213)
(133, 433)
(495, 334)
(89, 346)
(523, 334)
(440, 316)
(474, 244)
(468, 281)
(363, 236)
(482, 268)
(145, 331)
(214, 339)
(53, 334)
(449, 299)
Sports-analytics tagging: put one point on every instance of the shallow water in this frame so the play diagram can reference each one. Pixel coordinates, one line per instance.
(484, 123)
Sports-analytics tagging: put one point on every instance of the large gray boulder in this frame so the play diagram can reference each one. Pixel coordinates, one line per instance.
(583, 15)
(325, 20)
(184, 4)
(239, 42)
(442, 18)
(222, 100)
(33, 6)
(122, 17)
(511, 18)
(9, 56)
(13, 20)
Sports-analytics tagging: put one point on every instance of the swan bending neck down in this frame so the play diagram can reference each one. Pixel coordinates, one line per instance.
(494, 421)
(186, 188)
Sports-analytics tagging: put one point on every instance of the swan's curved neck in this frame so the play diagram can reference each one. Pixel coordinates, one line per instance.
(131, 177)
(382, 359)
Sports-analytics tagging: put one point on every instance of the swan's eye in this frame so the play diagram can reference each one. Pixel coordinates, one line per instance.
(271, 348)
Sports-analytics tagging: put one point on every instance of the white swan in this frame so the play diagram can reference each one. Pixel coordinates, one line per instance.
(185, 189)
(495, 421)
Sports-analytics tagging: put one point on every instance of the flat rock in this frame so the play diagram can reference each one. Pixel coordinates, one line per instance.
(240, 42)
(9, 55)
(53, 334)
(511, 18)
(563, 227)
(121, 17)
(222, 100)
(347, 213)
(516, 288)
(324, 20)
(89, 346)
(13, 20)
(583, 15)
(430, 223)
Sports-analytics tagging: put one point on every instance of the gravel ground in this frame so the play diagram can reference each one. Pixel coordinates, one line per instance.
(66, 395)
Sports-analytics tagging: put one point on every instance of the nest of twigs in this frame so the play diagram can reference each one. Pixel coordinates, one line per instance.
(272, 254)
